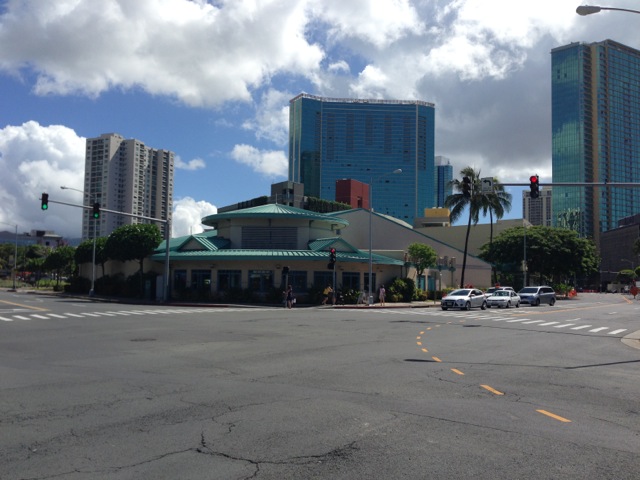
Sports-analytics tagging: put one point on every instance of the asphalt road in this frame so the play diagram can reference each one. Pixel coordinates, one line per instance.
(111, 391)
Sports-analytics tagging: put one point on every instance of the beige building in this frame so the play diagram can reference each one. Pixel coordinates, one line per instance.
(126, 176)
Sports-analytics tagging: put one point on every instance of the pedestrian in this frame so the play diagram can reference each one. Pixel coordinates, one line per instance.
(381, 294)
(361, 297)
(325, 294)
(290, 298)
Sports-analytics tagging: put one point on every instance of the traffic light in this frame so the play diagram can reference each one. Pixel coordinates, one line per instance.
(466, 187)
(534, 186)
(45, 201)
(332, 259)
(96, 210)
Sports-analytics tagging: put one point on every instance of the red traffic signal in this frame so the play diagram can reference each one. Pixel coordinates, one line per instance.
(534, 186)
(332, 259)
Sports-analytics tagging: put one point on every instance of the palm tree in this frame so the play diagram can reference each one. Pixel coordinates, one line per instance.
(496, 202)
(457, 202)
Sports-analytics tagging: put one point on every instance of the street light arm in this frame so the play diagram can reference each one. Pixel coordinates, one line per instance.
(590, 9)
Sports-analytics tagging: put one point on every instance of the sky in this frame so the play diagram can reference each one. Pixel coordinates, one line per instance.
(211, 81)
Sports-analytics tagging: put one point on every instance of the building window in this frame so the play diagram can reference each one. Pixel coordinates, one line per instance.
(228, 280)
(322, 279)
(297, 279)
(351, 281)
(260, 280)
(201, 280)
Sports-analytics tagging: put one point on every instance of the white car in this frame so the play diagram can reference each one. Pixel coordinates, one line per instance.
(503, 299)
(492, 290)
(464, 298)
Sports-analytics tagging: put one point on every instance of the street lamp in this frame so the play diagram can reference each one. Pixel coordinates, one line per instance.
(15, 257)
(590, 9)
(396, 171)
(93, 261)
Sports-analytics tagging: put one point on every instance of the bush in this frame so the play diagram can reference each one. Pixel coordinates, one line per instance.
(401, 290)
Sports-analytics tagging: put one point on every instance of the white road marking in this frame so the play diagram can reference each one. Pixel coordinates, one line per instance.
(615, 332)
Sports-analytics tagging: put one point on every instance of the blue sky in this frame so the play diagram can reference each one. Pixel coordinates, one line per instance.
(212, 80)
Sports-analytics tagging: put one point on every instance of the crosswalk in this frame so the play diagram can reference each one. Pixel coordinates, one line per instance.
(25, 316)
(506, 316)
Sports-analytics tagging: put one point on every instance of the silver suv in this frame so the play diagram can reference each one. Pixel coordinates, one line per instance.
(537, 295)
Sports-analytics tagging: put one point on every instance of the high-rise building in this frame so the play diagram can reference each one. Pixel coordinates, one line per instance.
(126, 176)
(366, 140)
(595, 91)
(538, 211)
(443, 177)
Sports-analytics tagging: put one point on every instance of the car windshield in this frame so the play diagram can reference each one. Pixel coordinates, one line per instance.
(529, 290)
(501, 293)
(460, 293)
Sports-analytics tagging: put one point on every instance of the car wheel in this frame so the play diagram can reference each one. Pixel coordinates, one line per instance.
(467, 306)
(484, 305)
(537, 303)
(552, 302)
(444, 308)
(518, 305)
(488, 306)
(507, 305)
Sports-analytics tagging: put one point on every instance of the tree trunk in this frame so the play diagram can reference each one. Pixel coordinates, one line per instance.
(466, 246)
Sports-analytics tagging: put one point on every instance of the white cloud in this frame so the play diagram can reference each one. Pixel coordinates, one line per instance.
(271, 121)
(188, 214)
(197, 52)
(195, 164)
(271, 163)
(36, 159)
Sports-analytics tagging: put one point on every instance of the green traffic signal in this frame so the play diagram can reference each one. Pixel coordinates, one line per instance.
(45, 201)
(96, 210)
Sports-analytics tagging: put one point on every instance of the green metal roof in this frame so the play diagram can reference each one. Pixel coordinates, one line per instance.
(274, 210)
(289, 255)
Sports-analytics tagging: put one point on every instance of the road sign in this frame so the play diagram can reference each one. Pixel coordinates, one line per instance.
(486, 184)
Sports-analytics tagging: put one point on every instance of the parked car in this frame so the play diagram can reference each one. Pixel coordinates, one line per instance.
(464, 298)
(537, 295)
(492, 290)
(503, 299)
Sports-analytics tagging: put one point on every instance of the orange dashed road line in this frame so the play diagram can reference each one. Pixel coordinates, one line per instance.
(455, 370)
(425, 350)
(436, 359)
(25, 306)
(554, 416)
(492, 390)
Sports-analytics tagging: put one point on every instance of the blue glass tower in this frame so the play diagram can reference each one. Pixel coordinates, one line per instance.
(595, 90)
(443, 176)
(366, 140)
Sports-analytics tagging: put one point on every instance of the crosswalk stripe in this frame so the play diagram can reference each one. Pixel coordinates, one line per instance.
(533, 321)
(564, 325)
(581, 327)
(516, 320)
(73, 315)
(615, 332)
(20, 317)
(595, 330)
(6, 319)
(548, 323)
(42, 317)
(55, 315)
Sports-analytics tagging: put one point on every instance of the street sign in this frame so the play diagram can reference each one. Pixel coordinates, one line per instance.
(486, 184)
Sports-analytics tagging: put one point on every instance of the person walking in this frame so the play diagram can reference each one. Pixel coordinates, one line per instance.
(325, 294)
(290, 297)
(381, 294)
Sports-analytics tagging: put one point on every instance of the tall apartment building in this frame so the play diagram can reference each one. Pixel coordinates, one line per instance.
(366, 140)
(443, 176)
(126, 176)
(538, 211)
(595, 91)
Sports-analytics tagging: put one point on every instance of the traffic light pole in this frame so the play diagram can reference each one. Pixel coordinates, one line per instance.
(132, 215)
